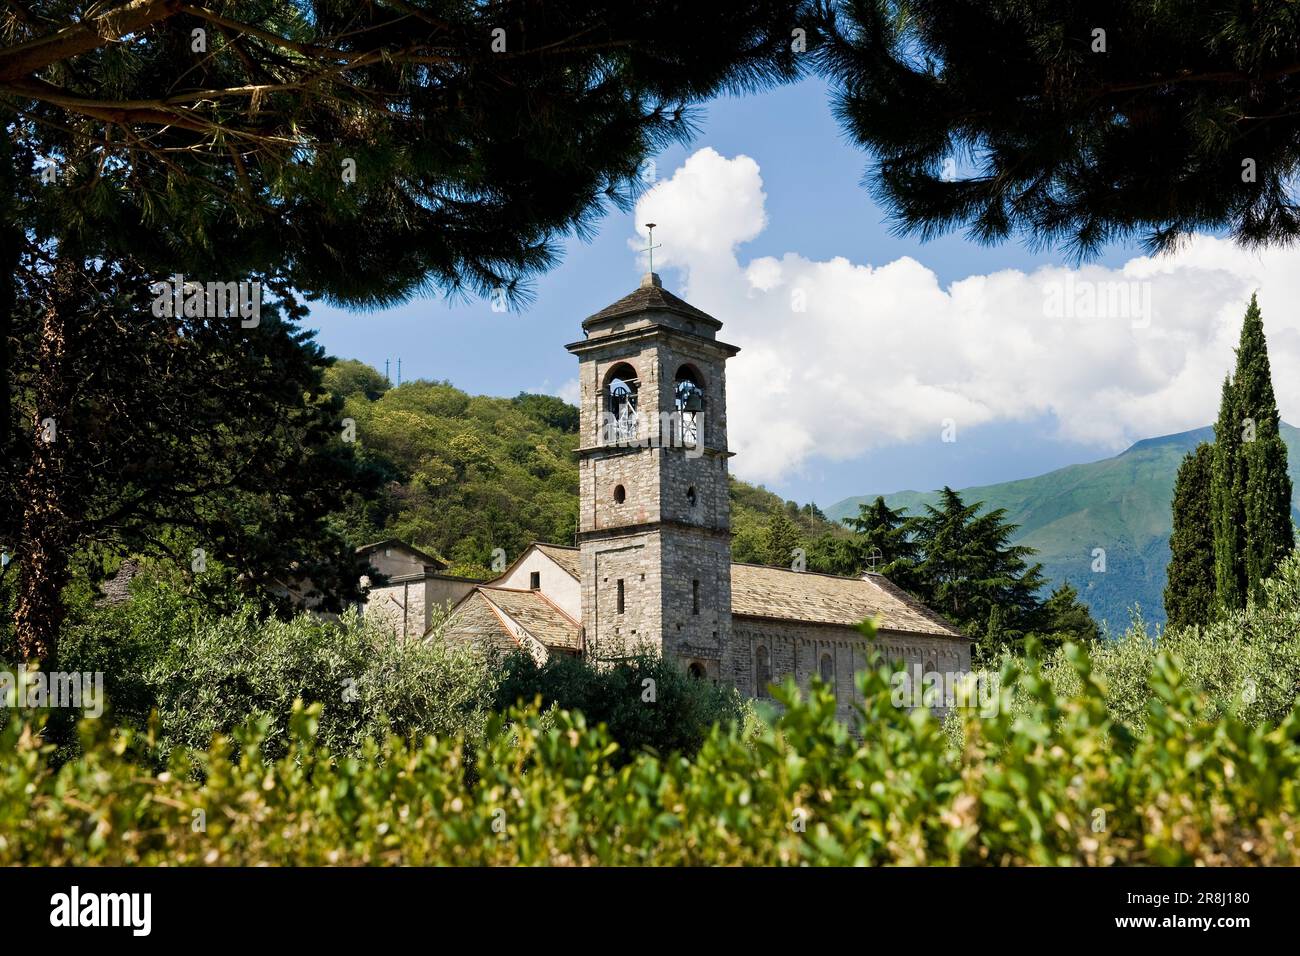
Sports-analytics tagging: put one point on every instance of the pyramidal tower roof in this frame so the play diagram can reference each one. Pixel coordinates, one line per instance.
(650, 309)
(649, 297)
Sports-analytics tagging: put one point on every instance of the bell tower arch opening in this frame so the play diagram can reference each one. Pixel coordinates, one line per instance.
(620, 418)
(688, 405)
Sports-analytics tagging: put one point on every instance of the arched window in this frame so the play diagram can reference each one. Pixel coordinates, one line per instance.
(827, 668)
(620, 406)
(931, 694)
(762, 671)
(690, 496)
(688, 402)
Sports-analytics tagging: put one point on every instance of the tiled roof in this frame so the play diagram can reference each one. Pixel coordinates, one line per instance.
(476, 620)
(647, 298)
(758, 591)
(536, 615)
(826, 599)
(403, 546)
(567, 558)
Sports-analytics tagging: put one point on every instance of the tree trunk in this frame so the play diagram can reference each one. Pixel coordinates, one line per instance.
(46, 534)
(11, 237)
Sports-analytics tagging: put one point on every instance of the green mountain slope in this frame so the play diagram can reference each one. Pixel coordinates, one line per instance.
(1120, 504)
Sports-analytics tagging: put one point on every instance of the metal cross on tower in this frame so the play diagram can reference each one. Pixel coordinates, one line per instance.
(650, 246)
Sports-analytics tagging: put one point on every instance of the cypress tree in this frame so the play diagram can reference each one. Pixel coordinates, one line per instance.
(1250, 490)
(1262, 465)
(1228, 516)
(1190, 581)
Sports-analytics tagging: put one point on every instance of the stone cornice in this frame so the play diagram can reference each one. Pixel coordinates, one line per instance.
(629, 530)
(612, 450)
(652, 332)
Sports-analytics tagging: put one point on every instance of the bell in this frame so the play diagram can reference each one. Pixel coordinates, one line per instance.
(694, 402)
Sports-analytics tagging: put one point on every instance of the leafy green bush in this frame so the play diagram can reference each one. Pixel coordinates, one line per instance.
(1247, 661)
(206, 674)
(1059, 782)
(215, 676)
(647, 703)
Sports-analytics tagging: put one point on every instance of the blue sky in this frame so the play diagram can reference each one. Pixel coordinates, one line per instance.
(817, 208)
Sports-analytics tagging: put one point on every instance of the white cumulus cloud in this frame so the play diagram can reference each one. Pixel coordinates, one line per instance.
(841, 357)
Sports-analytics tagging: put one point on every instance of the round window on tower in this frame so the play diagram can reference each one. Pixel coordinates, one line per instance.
(620, 494)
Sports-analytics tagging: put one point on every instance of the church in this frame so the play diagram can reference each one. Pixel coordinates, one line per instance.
(652, 568)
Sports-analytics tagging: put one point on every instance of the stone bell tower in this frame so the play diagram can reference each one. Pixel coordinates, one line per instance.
(655, 521)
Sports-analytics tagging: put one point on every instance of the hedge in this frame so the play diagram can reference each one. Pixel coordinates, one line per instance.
(1056, 782)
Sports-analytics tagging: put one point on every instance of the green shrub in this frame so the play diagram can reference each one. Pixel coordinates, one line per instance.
(646, 702)
(1247, 662)
(1055, 782)
(215, 676)
(207, 674)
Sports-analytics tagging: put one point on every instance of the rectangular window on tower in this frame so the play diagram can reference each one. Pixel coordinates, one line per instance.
(620, 595)
(695, 596)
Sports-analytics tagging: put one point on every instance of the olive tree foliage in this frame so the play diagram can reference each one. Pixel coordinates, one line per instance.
(1246, 661)
(173, 665)
(1059, 783)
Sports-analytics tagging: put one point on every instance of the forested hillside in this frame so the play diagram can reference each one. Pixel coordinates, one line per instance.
(465, 475)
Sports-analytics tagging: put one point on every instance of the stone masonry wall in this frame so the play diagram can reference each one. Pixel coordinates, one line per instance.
(797, 649)
(634, 560)
(689, 556)
(400, 608)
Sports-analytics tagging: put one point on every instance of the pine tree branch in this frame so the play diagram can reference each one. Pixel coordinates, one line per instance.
(311, 51)
(144, 112)
(1187, 76)
(39, 89)
(33, 56)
